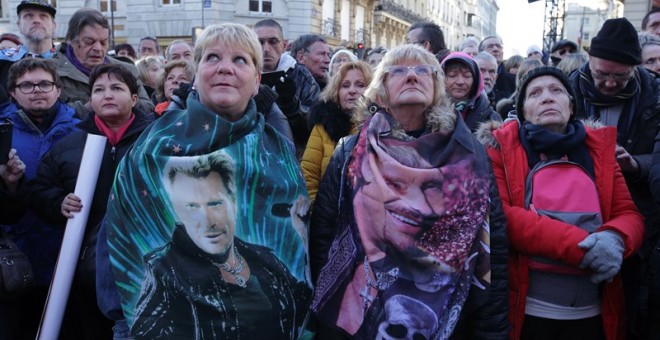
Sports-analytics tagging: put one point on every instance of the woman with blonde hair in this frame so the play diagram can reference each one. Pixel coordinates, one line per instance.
(225, 256)
(407, 227)
(330, 119)
(150, 68)
(572, 62)
(175, 73)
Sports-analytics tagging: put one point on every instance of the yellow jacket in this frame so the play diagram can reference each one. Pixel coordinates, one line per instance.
(316, 157)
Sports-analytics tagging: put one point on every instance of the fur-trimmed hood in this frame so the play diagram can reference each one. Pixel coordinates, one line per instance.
(441, 118)
(485, 131)
(334, 120)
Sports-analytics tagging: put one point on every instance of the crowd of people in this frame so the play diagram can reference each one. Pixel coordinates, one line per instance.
(255, 187)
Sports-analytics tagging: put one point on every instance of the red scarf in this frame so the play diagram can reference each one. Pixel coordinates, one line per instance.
(161, 107)
(113, 136)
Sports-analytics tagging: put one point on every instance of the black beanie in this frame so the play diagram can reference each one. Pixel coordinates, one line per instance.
(539, 72)
(617, 41)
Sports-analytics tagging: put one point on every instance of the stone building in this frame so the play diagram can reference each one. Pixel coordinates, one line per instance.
(343, 22)
(584, 19)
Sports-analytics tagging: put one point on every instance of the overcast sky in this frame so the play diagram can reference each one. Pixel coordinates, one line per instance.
(520, 24)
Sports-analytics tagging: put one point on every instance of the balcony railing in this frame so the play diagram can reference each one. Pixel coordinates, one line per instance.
(401, 12)
(330, 27)
(359, 36)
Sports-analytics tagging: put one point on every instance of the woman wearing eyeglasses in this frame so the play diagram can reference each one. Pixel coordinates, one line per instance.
(113, 99)
(408, 236)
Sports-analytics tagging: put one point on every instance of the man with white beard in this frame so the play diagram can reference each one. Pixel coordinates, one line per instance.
(36, 22)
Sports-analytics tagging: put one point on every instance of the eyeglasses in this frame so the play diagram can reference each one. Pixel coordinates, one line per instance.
(619, 77)
(420, 70)
(27, 87)
(270, 41)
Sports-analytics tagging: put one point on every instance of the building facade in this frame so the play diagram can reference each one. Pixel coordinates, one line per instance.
(635, 10)
(583, 20)
(344, 22)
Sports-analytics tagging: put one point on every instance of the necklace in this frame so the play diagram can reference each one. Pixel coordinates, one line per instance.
(383, 281)
(236, 271)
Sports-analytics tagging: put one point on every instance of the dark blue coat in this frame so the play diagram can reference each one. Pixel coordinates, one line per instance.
(38, 239)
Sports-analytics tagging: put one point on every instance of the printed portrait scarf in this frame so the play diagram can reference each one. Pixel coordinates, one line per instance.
(413, 233)
(268, 182)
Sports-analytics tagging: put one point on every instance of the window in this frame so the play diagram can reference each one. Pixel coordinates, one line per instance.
(104, 6)
(171, 2)
(585, 36)
(262, 6)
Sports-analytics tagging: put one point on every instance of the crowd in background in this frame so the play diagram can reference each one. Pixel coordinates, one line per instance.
(410, 168)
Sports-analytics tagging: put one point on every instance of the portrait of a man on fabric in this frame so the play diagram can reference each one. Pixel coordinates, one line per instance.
(207, 230)
(412, 237)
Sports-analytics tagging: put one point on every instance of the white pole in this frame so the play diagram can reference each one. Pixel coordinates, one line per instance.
(58, 294)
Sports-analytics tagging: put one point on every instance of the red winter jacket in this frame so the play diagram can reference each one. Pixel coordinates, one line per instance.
(530, 233)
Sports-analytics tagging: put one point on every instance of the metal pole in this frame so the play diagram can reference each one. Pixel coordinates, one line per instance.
(112, 22)
(202, 14)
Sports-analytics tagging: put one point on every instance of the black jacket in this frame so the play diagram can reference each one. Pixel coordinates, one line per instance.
(638, 140)
(335, 122)
(484, 311)
(480, 112)
(184, 295)
(641, 273)
(504, 86)
(58, 171)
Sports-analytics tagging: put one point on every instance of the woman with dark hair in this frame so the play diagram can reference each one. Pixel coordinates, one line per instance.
(125, 50)
(571, 220)
(113, 97)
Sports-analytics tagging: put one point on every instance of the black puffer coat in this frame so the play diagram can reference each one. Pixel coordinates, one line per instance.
(58, 172)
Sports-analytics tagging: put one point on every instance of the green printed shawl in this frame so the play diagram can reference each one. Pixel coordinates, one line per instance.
(141, 221)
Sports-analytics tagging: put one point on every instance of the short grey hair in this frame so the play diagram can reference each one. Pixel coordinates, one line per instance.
(485, 56)
(469, 41)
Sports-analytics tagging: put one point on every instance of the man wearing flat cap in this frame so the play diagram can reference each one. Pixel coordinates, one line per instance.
(36, 22)
(614, 89)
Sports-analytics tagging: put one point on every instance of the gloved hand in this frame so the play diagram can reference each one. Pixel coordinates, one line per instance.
(286, 90)
(604, 255)
(183, 91)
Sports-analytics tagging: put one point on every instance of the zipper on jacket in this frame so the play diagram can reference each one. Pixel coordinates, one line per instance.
(113, 152)
(515, 321)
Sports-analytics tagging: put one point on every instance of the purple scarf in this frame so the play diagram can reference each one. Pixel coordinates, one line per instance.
(82, 68)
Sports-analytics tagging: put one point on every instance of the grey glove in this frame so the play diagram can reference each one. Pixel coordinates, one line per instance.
(604, 255)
